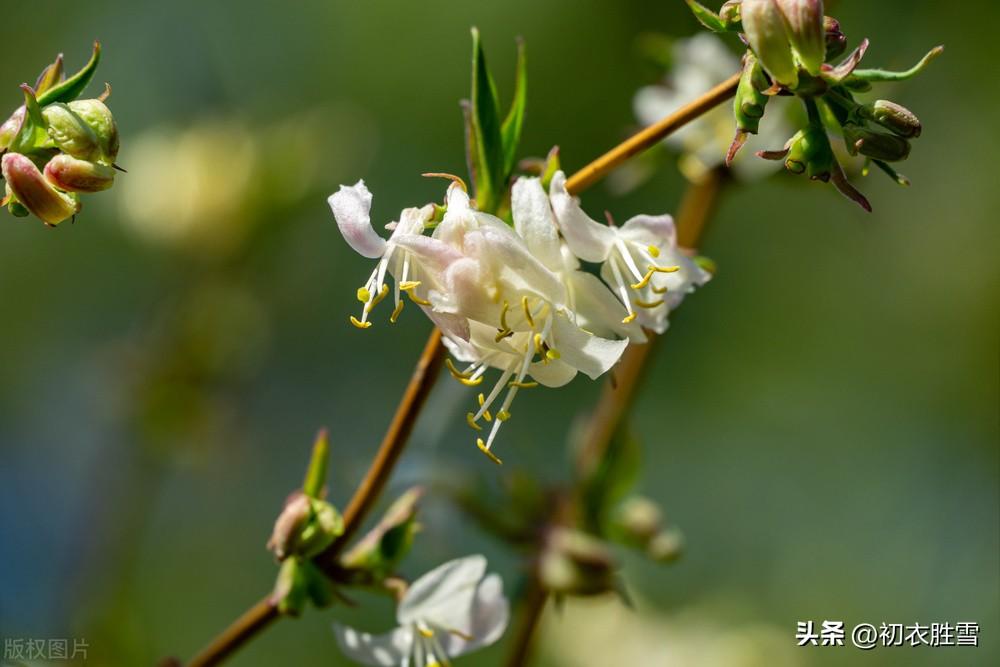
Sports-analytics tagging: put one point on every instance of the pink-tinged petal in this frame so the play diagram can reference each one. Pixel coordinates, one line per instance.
(653, 229)
(386, 650)
(434, 255)
(352, 207)
(591, 355)
(33, 191)
(588, 239)
(68, 173)
(534, 222)
(453, 326)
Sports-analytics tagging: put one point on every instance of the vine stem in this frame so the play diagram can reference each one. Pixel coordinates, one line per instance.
(617, 396)
(264, 612)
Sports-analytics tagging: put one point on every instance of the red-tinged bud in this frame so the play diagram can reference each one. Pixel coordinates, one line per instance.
(73, 175)
(10, 127)
(34, 192)
(804, 22)
(765, 28)
(836, 41)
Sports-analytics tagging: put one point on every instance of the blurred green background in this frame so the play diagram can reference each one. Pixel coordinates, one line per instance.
(822, 421)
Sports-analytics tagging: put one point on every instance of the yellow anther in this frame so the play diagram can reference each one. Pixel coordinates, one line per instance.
(471, 420)
(527, 312)
(538, 343)
(653, 251)
(648, 304)
(664, 269)
(455, 373)
(487, 416)
(503, 317)
(471, 382)
(359, 324)
(364, 294)
(522, 385)
(407, 285)
(485, 450)
(501, 334)
(645, 280)
(630, 318)
(426, 632)
(396, 311)
(463, 635)
(660, 290)
(482, 399)
(416, 299)
(552, 354)
(378, 298)
(503, 416)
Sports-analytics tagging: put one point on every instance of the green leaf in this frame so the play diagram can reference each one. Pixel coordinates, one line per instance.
(316, 472)
(706, 16)
(32, 135)
(73, 87)
(512, 124)
(488, 159)
(881, 75)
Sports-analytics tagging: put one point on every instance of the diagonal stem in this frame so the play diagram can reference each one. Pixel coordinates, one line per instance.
(258, 617)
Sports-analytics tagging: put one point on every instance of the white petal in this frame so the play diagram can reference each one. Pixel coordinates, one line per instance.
(451, 325)
(489, 616)
(443, 594)
(351, 207)
(534, 222)
(434, 255)
(589, 354)
(588, 239)
(553, 374)
(385, 650)
(658, 230)
(598, 310)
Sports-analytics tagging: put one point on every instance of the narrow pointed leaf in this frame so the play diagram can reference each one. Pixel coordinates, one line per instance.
(486, 130)
(512, 124)
(316, 473)
(879, 75)
(50, 76)
(706, 16)
(71, 88)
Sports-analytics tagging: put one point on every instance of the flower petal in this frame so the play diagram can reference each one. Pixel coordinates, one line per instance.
(588, 239)
(651, 229)
(351, 206)
(385, 650)
(534, 222)
(489, 617)
(598, 310)
(553, 374)
(444, 594)
(589, 354)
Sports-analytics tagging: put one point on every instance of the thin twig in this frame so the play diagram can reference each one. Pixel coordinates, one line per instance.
(260, 615)
(616, 399)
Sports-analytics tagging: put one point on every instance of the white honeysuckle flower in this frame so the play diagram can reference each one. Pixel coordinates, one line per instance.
(452, 610)
(640, 259)
(351, 207)
(699, 63)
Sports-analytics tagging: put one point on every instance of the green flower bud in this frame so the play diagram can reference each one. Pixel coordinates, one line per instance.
(666, 546)
(730, 12)
(70, 132)
(305, 527)
(810, 153)
(73, 175)
(894, 117)
(574, 563)
(10, 128)
(30, 188)
(749, 103)
(764, 26)
(640, 519)
(876, 145)
(836, 41)
(804, 22)
(98, 116)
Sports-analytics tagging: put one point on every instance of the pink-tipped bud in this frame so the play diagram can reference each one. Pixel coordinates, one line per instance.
(10, 128)
(73, 175)
(765, 28)
(804, 22)
(34, 192)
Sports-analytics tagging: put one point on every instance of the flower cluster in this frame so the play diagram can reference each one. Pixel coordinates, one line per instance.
(56, 147)
(524, 298)
(790, 45)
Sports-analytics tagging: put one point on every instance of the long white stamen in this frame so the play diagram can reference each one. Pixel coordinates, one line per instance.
(620, 285)
(497, 388)
(627, 258)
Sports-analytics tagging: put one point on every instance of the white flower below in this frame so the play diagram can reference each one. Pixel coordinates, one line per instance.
(452, 610)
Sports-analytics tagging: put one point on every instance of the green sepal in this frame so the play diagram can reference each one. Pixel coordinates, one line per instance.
(50, 76)
(514, 122)
(32, 136)
(316, 472)
(73, 87)
(706, 16)
(750, 101)
(379, 552)
(291, 591)
(881, 75)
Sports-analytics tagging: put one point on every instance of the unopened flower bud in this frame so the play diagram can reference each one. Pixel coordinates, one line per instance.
(894, 117)
(809, 152)
(70, 132)
(30, 188)
(730, 12)
(666, 546)
(764, 25)
(876, 145)
(98, 116)
(804, 22)
(574, 563)
(640, 519)
(750, 101)
(836, 41)
(10, 128)
(305, 527)
(73, 175)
